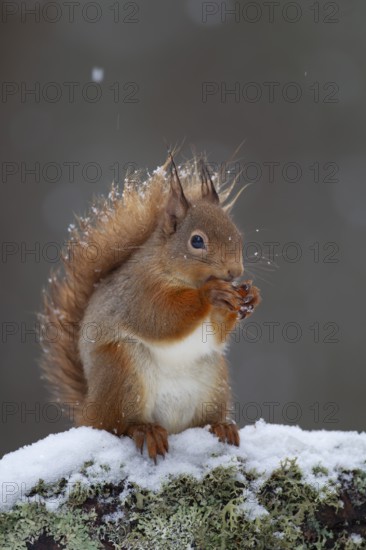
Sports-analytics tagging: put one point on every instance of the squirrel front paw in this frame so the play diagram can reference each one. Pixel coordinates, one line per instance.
(223, 294)
(226, 432)
(155, 436)
(242, 299)
(250, 298)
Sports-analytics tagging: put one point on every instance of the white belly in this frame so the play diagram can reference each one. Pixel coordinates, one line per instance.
(180, 378)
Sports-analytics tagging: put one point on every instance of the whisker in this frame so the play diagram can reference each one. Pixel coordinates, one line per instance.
(269, 265)
(256, 276)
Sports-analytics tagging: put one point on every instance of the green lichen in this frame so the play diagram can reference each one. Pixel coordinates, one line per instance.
(85, 467)
(47, 490)
(26, 522)
(320, 470)
(213, 513)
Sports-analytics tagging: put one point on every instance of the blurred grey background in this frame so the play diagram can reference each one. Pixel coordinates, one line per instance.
(289, 80)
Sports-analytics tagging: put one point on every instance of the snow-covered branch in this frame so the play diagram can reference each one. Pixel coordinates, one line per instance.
(284, 488)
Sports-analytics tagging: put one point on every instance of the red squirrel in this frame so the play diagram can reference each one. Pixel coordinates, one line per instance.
(150, 276)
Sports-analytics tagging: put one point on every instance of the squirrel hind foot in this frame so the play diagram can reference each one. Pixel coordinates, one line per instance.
(226, 432)
(155, 437)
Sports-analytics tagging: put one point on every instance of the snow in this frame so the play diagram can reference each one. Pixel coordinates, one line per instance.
(195, 451)
(251, 506)
(97, 74)
(357, 539)
(160, 171)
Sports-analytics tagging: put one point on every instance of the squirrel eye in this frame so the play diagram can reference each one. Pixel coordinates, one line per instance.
(197, 241)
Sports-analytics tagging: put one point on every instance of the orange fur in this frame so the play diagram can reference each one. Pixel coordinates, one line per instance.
(116, 396)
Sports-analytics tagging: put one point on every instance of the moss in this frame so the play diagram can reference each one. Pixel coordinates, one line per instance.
(186, 513)
(320, 470)
(27, 522)
(87, 464)
(229, 509)
(48, 490)
(79, 493)
(357, 488)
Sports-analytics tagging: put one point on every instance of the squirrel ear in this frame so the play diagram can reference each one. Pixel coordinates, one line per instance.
(177, 204)
(207, 186)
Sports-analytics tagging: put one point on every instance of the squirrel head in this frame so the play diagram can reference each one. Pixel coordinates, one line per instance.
(199, 240)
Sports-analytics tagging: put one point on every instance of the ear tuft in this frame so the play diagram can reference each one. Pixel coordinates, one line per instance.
(208, 190)
(177, 204)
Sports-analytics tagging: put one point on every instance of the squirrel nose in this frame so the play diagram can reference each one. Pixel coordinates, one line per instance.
(235, 272)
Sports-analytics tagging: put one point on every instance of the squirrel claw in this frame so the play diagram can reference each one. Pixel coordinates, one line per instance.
(155, 436)
(240, 298)
(249, 301)
(226, 432)
(246, 286)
